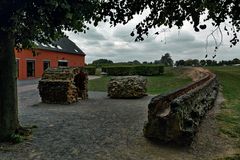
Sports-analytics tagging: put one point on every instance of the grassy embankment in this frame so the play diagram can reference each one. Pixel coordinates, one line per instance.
(229, 117)
(170, 80)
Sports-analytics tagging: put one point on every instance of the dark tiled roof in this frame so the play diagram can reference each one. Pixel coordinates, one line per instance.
(62, 45)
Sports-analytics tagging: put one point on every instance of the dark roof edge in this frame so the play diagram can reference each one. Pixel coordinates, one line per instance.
(64, 45)
(78, 54)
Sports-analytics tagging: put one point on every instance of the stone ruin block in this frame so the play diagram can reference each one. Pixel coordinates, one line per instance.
(58, 91)
(63, 86)
(127, 87)
(176, 116)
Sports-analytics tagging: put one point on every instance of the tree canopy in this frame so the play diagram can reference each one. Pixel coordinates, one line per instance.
(166, 60)
(174, 12)
(46, 20)
(100, 62)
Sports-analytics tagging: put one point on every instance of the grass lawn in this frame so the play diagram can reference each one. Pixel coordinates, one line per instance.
(229, 116)
(156, 84)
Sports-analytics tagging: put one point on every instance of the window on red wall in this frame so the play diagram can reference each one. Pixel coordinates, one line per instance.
(30, 68)
(62, 63)
(46, 65)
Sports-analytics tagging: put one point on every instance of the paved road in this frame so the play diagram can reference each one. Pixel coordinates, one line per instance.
(95, 129)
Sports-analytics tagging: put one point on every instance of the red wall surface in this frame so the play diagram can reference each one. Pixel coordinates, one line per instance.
(74, 60)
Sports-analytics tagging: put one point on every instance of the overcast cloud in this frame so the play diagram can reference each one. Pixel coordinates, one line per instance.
(116, 44)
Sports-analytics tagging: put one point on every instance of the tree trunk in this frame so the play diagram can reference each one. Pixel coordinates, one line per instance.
(8, 87)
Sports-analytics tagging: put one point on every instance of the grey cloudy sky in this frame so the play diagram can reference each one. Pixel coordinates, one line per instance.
(116, 44)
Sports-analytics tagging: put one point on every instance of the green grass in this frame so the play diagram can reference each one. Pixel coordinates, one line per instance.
(171, 80)
(99, 84)
(229, 117)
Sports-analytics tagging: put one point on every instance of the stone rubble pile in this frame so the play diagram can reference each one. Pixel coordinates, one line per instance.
(58, 91)
(58, 86)
(127, 87)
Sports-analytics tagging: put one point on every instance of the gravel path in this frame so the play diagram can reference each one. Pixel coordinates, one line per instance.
(97, 129)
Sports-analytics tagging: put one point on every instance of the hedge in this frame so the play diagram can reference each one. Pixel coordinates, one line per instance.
(125, 70)
(148, 70)
(91, 70)
(118, 70)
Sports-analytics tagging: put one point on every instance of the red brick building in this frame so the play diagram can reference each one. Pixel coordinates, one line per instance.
(63, 53)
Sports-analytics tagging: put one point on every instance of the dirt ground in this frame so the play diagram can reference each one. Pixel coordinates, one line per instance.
(195, 73)
(104, 129)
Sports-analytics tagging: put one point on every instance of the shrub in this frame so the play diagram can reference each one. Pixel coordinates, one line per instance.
(125, 70)
(118, 70)
(148, 70)
(15, 138)
(91, 70)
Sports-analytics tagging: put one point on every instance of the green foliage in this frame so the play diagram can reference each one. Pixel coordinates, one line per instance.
(91, 70)
(101, 62)
(15, 138)
(125, 70)
(118, 70)
(46, 20)
(135, 62)
(99, 84)
(229, 62)
(175, 12)
(148, 70)
(166, 60)
(170, 80)
(208, 62)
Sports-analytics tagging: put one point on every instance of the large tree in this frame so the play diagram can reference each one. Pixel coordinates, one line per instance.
(25, 21)
(22, 23)
(166, 60)
(100, 62)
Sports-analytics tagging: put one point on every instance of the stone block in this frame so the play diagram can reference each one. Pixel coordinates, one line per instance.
(176, 116)
(127, 87)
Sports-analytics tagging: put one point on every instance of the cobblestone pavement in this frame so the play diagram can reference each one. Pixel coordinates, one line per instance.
(95, 129)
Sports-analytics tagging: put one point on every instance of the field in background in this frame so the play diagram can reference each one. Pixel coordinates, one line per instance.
(170, 80)
(229, 116)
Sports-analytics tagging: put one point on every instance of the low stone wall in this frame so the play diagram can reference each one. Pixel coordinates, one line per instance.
(127, 87)
(175, 117)
(63, 85)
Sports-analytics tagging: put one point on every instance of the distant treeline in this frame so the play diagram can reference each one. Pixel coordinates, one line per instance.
(208, 62)
(166, 60)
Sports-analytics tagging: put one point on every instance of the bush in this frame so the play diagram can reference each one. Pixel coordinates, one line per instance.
(148, 70)
(15, 138)
(118, 70)
(91, 70)
(125, 70)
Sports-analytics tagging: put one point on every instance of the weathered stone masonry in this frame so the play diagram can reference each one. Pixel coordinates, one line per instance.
(127, 87)
(175, 117)
(58, 86)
